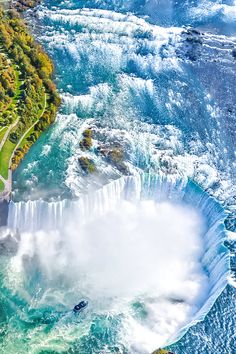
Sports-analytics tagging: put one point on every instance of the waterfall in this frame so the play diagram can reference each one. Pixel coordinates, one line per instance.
(33, 216)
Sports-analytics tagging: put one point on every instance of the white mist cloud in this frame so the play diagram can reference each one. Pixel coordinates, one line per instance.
(141, 252)
(136, 247)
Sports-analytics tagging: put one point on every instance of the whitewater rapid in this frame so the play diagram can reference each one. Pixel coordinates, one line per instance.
(140, 88)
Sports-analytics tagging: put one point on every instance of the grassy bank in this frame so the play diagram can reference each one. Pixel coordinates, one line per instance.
(28, 97)
(1, 186)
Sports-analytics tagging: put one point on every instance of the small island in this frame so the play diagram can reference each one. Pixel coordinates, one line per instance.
(28, 97)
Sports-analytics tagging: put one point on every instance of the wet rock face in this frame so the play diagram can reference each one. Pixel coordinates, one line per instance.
(22, 5)
(8, 244)
(3, 212)
(191, 45)
(115, 156)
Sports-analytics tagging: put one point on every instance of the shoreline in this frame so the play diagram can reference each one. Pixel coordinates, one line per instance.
(30, 98)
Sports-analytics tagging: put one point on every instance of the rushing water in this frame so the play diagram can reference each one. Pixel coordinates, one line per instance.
(155, 81)
(148, 278)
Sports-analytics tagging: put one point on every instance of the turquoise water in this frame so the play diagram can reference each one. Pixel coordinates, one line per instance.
(147, 84)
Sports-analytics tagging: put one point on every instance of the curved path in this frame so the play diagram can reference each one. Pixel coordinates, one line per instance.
(27, 131)
(8, 132)
(5, 194)
(8, 182)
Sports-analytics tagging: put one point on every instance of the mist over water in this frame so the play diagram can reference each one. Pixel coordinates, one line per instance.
(123, 252)
(140, 261)
(144, 251)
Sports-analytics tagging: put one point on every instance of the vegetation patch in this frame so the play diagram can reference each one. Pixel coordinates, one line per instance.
(7, 83)
(86, 143)
(28, 97)
(2, 132)
(87, 165)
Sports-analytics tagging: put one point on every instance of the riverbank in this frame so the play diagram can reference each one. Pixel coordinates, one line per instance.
(28, 96)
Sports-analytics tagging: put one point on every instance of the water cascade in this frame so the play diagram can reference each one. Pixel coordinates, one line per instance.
(168, 225)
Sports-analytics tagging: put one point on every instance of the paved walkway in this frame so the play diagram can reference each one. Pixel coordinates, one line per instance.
(7, 183)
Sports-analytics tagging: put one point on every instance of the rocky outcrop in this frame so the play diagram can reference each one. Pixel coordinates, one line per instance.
(115, 156)
(86, 143)
(8, 243)
(87, 165)
(3, 212)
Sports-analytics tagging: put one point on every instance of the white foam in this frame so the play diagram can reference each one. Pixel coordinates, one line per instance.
(231, 235)
(208, 9)
(116, 108)
(133, 253)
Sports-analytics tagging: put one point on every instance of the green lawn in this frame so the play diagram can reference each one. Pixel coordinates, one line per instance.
(1, 186)
(5, 155)
(2, 133)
